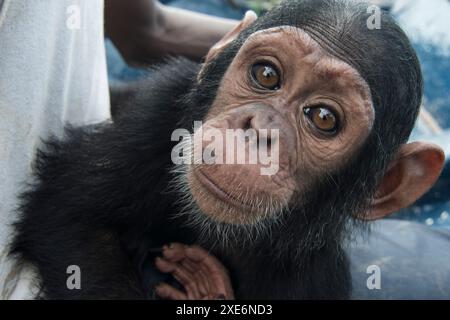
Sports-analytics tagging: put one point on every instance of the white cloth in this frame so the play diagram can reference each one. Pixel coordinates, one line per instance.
(52, 72)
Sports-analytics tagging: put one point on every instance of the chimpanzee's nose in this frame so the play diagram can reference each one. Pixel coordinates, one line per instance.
(263, 119)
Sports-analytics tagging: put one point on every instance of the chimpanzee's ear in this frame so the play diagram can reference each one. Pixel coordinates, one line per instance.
(414, 171)
(249, 18)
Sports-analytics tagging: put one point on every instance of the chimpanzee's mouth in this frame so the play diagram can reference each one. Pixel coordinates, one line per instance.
(218, 192)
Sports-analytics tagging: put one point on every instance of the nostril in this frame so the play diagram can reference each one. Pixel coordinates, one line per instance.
(269, 142)
(247, 124)
(268, 139)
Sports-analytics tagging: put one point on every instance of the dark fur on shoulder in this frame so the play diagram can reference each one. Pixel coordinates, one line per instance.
(98, 184)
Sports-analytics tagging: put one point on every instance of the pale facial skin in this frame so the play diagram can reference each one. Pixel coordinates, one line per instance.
(316, 81)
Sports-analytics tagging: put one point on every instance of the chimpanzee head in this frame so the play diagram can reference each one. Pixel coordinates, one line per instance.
(343, 99)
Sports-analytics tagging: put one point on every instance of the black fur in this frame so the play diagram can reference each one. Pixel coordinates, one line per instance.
(104, 191)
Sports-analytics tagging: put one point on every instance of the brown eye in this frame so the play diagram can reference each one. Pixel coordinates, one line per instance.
(266, 75)
(323, 118)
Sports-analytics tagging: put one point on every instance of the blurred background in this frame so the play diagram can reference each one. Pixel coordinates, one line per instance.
(427, 23)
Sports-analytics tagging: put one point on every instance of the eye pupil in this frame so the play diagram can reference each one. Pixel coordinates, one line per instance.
(266, 76)
(326, 116)
(323, 119)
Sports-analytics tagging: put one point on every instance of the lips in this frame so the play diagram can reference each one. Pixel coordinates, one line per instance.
(217, 191)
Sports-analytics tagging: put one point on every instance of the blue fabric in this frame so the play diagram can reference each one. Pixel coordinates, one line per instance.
(436, 72)
(413, 259)
(431, 41)
(118, 70)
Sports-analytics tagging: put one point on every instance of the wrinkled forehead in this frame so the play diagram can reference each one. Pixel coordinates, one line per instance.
(296, 45)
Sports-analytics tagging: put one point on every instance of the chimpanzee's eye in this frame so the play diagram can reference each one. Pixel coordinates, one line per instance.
(323, 118)
(266, 75)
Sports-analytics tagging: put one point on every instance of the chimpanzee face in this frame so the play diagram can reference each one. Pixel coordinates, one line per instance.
(328, 102)
(281, 79)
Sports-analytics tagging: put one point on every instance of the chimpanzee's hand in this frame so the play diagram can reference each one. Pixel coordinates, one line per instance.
(201, 274)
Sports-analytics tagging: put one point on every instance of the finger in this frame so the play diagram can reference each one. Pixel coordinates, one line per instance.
(200, 255)
(214, 297)
(191, 287)
(183, 276)
(164, 266)
(216, 274)
(200, 277)
(212, 271)
(218, 278)
(165, 291)
(174, 252)
(189, 265)
(205, 272)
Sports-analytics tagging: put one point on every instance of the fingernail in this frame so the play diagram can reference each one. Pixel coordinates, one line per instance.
(220, 297)
(251, 13)
(171, 245)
